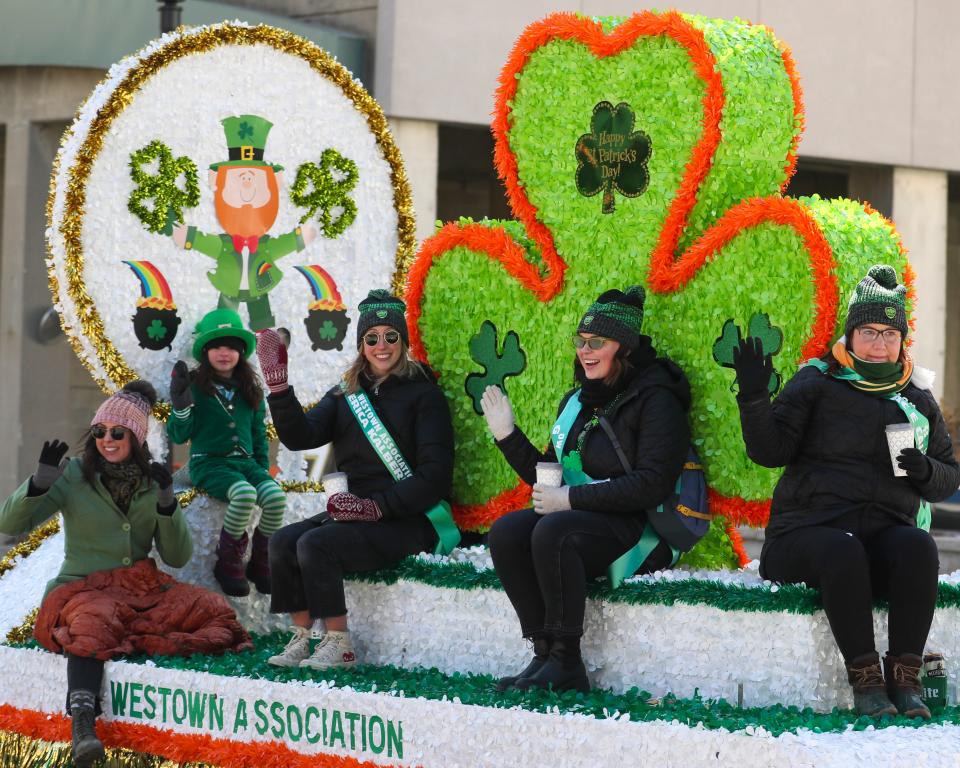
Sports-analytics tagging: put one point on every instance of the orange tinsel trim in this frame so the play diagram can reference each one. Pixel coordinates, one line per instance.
(475, 517)
(798, 113)
(739, 511)
(736, 540)
(178, 747)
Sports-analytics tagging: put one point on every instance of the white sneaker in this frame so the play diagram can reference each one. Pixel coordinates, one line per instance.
(333, 650)
(298, 648)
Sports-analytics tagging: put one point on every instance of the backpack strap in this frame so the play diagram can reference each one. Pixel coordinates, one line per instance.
(605, 425)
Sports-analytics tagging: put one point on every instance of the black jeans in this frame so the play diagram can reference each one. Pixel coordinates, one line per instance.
(308, 559)
(84, 674)
(544, 562)
(851, 561)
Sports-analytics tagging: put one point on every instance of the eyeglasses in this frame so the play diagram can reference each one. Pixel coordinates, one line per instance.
(890, 336)
(594, 342)
(391, 337)
(100, 432)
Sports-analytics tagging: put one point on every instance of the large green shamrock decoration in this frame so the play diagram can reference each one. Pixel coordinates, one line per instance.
(316, 188)
(163, 187)
(497, 364)
(771, 342)
(711, 237)
(612, 156)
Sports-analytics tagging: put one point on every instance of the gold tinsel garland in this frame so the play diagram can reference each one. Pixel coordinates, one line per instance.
(24, 631)
(186, 44)
(34, 540)
(19, 751)
(289, 486)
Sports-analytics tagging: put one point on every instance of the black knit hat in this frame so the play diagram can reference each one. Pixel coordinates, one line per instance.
(382, 308)
(616, 315)
(878, 298)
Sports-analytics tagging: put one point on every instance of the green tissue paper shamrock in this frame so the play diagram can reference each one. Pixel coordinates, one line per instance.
(316, 188)
(712, 236)
(497, 366)
(770, 337)
(163, 187)
(613, 156)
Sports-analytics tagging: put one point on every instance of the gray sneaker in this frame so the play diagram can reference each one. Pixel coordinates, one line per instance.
(297, 649)
(333, 650)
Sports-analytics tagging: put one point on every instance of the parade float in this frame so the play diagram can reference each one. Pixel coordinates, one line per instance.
(652, 149)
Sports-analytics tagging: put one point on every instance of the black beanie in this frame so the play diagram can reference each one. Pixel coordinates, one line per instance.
(382, 308)
(616, 315)
(878, 298)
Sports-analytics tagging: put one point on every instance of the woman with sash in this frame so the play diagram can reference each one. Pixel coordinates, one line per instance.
(629, 410)
(392, 436)
(843, 518)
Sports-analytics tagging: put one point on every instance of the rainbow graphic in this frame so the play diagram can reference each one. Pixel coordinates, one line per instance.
(154, 290)
(325, 293)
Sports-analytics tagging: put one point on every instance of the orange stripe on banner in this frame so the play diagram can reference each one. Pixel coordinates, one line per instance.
(179, 747)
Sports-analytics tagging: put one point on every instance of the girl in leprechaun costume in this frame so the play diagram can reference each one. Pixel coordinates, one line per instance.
(219, 408)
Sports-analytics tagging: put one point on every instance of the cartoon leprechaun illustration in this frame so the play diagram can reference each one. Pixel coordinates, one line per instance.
(246, 197)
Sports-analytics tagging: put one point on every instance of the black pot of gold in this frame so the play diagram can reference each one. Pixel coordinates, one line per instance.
(326, 328)
(155, 326)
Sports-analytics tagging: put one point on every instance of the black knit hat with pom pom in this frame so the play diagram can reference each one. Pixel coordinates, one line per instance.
(382, 308)
(878, 298)
(616, 315)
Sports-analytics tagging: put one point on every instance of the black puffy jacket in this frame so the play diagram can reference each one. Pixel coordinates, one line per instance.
(650, 422)
(415, 413)
(831, 439)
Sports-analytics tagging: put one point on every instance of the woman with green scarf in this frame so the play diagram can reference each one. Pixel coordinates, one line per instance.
(844, 516)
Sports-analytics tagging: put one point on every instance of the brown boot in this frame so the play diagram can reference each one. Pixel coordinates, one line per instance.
(869, 691)
(228, 569)
(903, 684)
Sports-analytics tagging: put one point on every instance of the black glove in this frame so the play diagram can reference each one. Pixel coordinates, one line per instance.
(181, 397)
(164, 480)
(916, 465)
(49, 466)
(753, 368)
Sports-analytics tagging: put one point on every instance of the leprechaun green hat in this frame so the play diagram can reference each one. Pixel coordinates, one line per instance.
(246, 138)
(219, 324)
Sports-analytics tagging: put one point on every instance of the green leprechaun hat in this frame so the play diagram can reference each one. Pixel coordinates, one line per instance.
(219, 324)
(246, 137)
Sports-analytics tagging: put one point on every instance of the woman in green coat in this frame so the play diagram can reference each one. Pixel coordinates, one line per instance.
(109, 598)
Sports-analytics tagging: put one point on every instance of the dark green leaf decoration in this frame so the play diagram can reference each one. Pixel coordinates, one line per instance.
(497, 366)
(613, 157)
(771, 341)
(316, 189)
(169, 199)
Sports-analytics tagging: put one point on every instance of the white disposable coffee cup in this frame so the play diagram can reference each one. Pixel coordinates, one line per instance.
(899, 436)
(549, 473)
(335, 482)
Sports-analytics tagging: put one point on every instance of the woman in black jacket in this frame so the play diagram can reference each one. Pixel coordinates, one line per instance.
(382, 519)
(544, 556)
(840, 520)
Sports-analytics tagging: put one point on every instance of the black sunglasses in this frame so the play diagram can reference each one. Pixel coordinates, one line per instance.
(391, 337)
(100, 432)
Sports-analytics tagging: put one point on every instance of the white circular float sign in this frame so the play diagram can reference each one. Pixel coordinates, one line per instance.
(142, 242)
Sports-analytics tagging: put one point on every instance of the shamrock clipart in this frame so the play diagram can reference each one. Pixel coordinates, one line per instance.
(710, 233)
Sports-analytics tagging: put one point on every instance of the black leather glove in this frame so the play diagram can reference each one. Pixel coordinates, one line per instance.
(753, 368)
(49, 466)
(181, 397)
(164, 480)
(916, 464)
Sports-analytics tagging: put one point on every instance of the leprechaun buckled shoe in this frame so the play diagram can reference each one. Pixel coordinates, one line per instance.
(869, 690)
(541, 651)
(903, 684)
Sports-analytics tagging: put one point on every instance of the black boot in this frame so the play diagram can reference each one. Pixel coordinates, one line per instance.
(541, 650)
(258, 568)
(563, 670)
(903, 684)
(228, 570)
(869, 691)
(87, 748)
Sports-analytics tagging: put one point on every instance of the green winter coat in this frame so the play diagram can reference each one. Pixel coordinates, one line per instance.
(215, 428)
(98, 535)
(262, 274)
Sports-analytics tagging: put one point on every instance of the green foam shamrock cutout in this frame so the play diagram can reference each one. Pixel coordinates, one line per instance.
(163, 188)
(156, 330)
(613, 156)
(317, 189)
(712, 236)
(770, 337)
(497, 365)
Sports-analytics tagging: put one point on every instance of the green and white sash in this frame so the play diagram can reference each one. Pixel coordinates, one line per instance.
(440, 517)
(627, 564)
(920, 423)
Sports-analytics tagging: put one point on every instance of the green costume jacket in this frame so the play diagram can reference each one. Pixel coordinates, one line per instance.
(98, 535)
(219, 428)
(262, 274)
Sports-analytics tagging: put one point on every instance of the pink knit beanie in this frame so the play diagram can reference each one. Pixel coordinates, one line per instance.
(128, 409)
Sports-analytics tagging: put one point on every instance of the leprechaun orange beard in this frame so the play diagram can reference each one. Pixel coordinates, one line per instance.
(246, 220)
